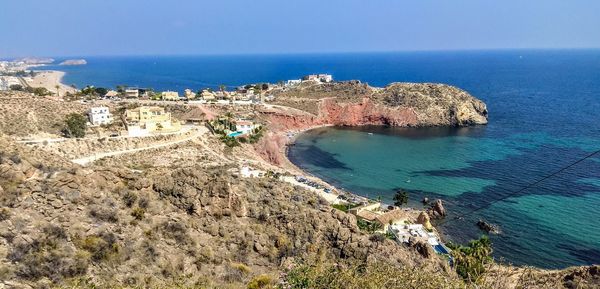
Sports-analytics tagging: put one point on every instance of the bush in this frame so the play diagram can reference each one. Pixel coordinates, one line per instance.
(138, 213)
(48, 256)
(101, 247)
(104, 214)
(470, 261)
(320, 274)
(261, 282)
(176, 231)
(4, 214)
(129, 198)
(230, 141)
(75, 125)
(16, 87)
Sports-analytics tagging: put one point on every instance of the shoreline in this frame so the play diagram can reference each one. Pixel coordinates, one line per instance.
(49, 79)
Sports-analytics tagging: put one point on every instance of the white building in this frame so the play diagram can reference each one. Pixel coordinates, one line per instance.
(292, 82)
(320, 78)
(132, 92)
(245, 126)
(325, 78)
(100, 115)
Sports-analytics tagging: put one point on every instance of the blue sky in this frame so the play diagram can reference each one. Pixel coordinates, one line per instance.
(156, 27)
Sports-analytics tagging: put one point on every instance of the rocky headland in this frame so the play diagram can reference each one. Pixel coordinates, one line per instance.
(354, 103)
(74, 62)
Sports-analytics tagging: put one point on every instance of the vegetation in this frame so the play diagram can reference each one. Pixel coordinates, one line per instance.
(229, 141)
(102, 247)
(370, 227)
(345, 207)
(363, 275)
(76, 125)
(16, 87)
(470, 261)
(400, 198)
(262, 282)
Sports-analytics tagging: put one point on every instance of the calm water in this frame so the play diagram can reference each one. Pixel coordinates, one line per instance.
(543, 106)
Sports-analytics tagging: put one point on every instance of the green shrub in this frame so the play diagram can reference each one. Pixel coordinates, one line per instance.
(261, 282)
(75, 125)
(49, 255)
(4, 214)
(470, 261)
(102, 247)
(138, 213)
(321, 274)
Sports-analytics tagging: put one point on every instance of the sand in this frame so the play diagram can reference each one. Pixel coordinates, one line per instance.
(50, 79)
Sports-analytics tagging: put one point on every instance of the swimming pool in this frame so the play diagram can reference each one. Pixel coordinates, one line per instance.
(235, 133)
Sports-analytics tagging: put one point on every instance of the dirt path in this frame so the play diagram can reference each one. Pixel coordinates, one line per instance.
(89, 159)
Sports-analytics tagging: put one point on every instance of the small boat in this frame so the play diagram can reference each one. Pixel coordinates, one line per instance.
(370, 133)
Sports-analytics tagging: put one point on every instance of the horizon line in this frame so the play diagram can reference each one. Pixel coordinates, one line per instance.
(3, 58)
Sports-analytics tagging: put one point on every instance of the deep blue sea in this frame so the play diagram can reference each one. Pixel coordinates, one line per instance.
(544, 108)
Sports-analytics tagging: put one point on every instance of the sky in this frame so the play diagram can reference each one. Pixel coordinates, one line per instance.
(195, 27)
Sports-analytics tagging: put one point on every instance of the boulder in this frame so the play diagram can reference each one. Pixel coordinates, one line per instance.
(487, 227)
(424, 220)
(437, 210)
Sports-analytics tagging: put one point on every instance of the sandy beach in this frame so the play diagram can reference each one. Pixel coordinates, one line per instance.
(50, 79)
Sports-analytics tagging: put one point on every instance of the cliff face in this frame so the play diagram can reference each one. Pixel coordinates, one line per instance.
(354, 103)
(398, 104)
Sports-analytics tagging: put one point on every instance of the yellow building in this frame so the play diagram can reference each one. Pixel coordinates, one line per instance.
(147, 119)
(170, 95)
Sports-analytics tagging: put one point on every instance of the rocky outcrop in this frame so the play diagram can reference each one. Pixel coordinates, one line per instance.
(437, 210)
(112, 226)
(74, 62)
(487, 227)
(398, 104)
(424, 220)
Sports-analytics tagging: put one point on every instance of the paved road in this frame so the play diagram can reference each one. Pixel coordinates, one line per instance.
(89, 159)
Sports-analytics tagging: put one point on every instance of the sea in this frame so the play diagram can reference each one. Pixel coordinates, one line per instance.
(531, 171)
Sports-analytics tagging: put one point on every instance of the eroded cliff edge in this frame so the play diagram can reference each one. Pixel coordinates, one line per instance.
(398, 104)
(353, 103)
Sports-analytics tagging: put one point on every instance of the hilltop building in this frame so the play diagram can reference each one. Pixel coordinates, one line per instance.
(149, 119)
(100, 115)
(319, 78)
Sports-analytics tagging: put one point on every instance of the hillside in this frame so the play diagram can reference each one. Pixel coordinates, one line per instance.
(183, 217)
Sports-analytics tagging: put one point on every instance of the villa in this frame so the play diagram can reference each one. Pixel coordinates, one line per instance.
(111, 93)
(292, 82)
(207, 95)
(100, 115)
(132, 92)
(189, 94)
(170, 95)
(149, 119)
(244, 127)
(319, 78)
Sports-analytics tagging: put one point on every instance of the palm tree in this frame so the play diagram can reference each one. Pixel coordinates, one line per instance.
(57, 90)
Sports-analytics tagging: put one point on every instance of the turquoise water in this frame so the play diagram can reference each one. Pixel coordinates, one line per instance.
(543, 107)
(543, 116)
